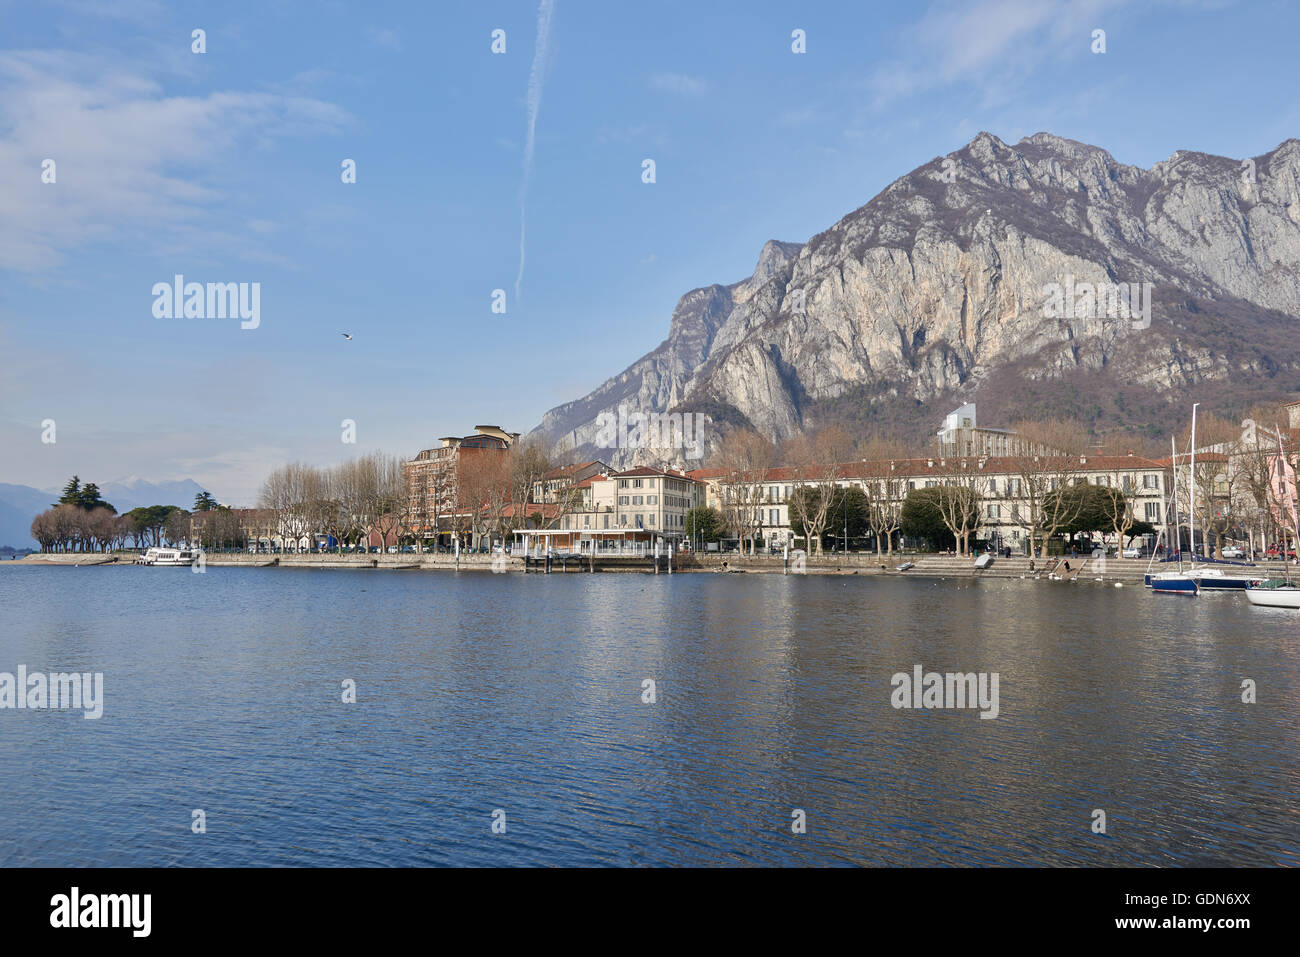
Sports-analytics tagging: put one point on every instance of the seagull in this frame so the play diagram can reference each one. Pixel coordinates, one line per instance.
(346, 336)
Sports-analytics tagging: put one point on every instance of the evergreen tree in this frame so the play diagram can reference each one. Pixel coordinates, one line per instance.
(71, 492)
(91, 499)
(703, 524)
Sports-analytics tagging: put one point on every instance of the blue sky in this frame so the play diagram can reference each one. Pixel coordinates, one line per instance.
(225, 167)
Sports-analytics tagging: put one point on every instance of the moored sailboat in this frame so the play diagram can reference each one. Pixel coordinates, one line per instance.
(1274, 593)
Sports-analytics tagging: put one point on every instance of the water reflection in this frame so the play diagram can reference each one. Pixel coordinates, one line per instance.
(524, 693)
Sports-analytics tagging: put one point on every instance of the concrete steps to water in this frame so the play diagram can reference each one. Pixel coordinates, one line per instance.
(1050, 569)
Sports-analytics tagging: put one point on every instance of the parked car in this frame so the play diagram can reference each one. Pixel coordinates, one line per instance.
(1232, 551)
(1133, 551)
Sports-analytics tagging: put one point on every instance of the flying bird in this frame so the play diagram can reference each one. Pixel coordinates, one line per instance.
(346, 336)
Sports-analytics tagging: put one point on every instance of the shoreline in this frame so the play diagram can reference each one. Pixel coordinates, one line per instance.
(926, 566)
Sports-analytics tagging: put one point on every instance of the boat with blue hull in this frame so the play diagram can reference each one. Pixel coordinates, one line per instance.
(1173, 584)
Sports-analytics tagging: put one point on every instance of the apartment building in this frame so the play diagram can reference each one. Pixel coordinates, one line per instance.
(647, 499)
(999, 483)
(557, 484)
(436, 477)
(961, 435)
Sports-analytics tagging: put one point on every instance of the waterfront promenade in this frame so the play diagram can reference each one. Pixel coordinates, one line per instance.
(856, 563)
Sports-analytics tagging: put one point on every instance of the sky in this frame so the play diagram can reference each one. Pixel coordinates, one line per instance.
(476, 171)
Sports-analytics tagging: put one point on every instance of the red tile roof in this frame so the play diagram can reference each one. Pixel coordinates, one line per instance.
(563, 470)
(939, 466)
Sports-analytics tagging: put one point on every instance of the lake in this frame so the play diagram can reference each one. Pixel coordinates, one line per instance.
(478, 693)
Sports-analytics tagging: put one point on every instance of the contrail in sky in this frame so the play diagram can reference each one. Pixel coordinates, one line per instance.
(545, 10)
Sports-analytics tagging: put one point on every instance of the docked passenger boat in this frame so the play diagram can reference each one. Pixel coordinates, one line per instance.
(1274, 593)
(169, 556)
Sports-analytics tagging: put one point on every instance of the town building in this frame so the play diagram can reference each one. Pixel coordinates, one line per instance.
(555, 486)
(436, 480)
(962, 435)
(627, 511)
(998, 481)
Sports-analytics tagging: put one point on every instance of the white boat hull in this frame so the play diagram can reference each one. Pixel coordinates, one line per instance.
(1274, 597)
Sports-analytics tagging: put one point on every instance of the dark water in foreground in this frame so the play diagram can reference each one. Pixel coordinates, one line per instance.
(478, 692)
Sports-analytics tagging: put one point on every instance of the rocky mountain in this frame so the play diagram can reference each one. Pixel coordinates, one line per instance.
(965, 280)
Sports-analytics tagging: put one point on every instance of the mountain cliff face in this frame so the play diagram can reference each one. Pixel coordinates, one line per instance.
(935, 292)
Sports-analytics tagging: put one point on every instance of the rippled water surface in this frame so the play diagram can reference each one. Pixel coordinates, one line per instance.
(524, 693)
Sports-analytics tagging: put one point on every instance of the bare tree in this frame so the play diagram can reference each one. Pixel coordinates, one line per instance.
(885, 486)
(1050, 457)
(383, 488)
(746, 459)
(178, 527)
(527, 465)
(959, 499)
(818, 465)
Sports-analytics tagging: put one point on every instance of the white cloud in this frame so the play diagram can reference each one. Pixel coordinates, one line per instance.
(128, 158)
(985, 42)
(679, 83)
(384, 37)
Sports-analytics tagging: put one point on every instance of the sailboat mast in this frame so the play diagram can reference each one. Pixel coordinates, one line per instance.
(1173, 460)
(1289, 506)
(1191, 473)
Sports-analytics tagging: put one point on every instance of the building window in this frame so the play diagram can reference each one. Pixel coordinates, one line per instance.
(1153, 512)
(1151, 481)
(995, 511)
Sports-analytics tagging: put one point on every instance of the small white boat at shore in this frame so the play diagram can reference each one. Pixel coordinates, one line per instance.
(169, 556)
(1274, 594)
